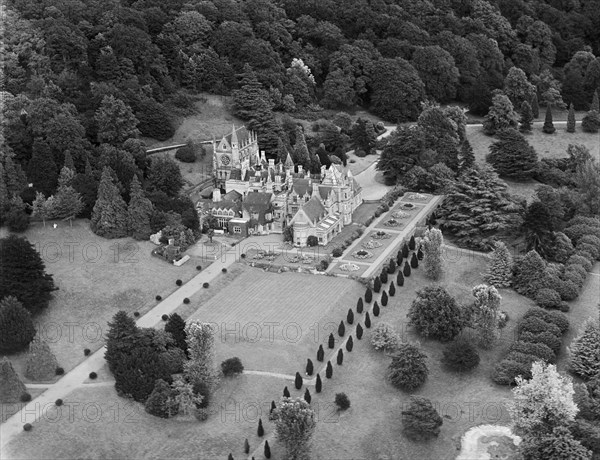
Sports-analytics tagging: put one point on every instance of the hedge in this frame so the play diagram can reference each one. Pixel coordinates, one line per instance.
(506, 371)
(543, 352)
(537, 325)
(546, 338)
(548, 298)
(554, 317)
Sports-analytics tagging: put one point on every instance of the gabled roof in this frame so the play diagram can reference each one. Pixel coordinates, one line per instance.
(228, 205)
(324, 191)
(259, 203)
(300, 186)
(232, 195)
(314, 210)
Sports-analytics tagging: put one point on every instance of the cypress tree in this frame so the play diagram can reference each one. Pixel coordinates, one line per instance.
(377, 284)
(368, 295)
(331, 341)
(367, 321)
(400, 279)
(260, 431)
(384, 299)
(247, 444)
(319, 384)
(175, 326)
(301, 153)
(359, 305)
(571, 119)
(359, 331)
(535, 106)
(230, 457)
(595, 102)
(526, 117)
(267, 451)
(16, 326)
(399, 258)
(350, 316)
(420, 254)
(376, 310)
(307, 396)
(383, 277)
(341, 329)
(309, 367)
(392, 289)
(412, 243)
(349, 344)
(467, 156)
(286, 392)
(392, 267)
(406, 270)
(329, 370)
(340, 357)
(548, 125)
(273, 407)
(320, 353)
(139, 211)
(109, 217)
(414, 261)
(405, 251)
(298, 381)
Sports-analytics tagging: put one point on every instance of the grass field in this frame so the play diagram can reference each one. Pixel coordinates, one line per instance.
(96, 278)
(274, 322)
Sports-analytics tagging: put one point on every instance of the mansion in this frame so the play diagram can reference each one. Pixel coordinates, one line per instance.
(254, 195)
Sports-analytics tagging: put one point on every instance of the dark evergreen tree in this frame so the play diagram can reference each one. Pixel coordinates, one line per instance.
(121, 326)
(392, 289)
(341, 329)
(109, 217)
(406, 270)
(368, 295)
(307, 396)
(175, 326)
(23, 274)
(359, 331)
(363, 138)
(359, 305)
(139, 211)
(595, 102)
(318, 384)
(367, 320)
(42, 170)
(286, 392)
(377, 284)
(11, 386)
(246, 443)
(267, 450)
(512, 156)
(273, 407)
(376, 309)
(526, 118)
(230, 457)
(548, 124)
(400, 279)
(309, 367)
(420, 254)
(405, 251)
(467, 157)
(159, 402)
(399, 258)
(16, 326)
(331, 341)
(535, 106)
(349, 344)
(350, 316)
(260, 430)
(383, 277)
(320, 353)
(251, 97)
(414, 261)
(412, 243)
(571, 119)
(391, 267)
(340, 357)
(329, 370)
(301, 155)
(420, 420)
(384, 299)
(298, 381)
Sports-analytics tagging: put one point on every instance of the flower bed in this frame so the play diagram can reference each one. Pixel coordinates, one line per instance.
(372, 244)
(349, 267)
(381, 235)
(263, 255)
(400, 215)
(417, 196)
(408, 206)
(391, 223)
(362, 254)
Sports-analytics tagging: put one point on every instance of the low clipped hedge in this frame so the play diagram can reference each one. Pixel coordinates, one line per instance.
(537, 325)
(542, 351)
(506, 371)
(546, 338)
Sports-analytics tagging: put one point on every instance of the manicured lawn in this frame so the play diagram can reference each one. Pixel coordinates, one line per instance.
(274, 322)
(364, 212)
(96, 278)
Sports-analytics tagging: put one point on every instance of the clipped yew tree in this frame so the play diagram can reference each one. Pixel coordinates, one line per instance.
(436, 314)
(408, 369)
(584, 351)
(41, 363)
(420, 420)
(11, 386)
(16, 326)
(500, 266)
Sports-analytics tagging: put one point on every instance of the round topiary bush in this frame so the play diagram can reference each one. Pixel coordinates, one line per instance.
(165, 317)
(25, 397)
(224, 270)
(548, 298)
(58, 402)
(342, 401)
(205, 285)
(27, 427)
(460, 356)
(243, 256)
(198, 267)
(158, 297)
(86, 352)
(186, 301)
(60, 371)
(136, 314)
(408, 369)
(178, 282)
(337, 252)
(93, 375)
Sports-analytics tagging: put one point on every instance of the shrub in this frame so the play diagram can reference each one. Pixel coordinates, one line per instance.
(199, 267)
(384, 337)
(377, 284)
(384, 299)
(329, 370)
(376, 310)
(223, 270)
(186, 154)
(391, 267)
(136, 314)
(392, 289)
(359, 305)
(25, 397)
(178, 282)
(309, 367)
(260, 431)
(165, 317)
(420, 420)
(307, 396)
(460, 356)
(331, 341)
(16, 326)
(205, 285)
(158, 298)
(383, 277)
(359, 331)
(406, 270)
(590, 123)
(540, 350)
(58, 402)
(93, 375)
(342, 401)
(27, 427)
(436, 314)
(350, 316)
(340, 357)
(502, 319)
(548, 298)
(286, 392)
(368, 295)
(160, 402)
(318, 384)
(546, 338)
(408, 369)
(337, 252)
(537, 325)
(567, 289)
(87, 352)
(232, 366)
(506, 371)
(298, 381)
(584, 351)
(414, 261)
(312, 241)
(367, 320)
(267, 450)
(400, 279)
(412, 243)
(341, 329)
(60, 371)
(577, 259)
(320, 353)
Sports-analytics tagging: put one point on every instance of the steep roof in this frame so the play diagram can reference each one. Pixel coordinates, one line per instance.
(241, 133)
(300, 186)
(324, 191)
(259, 203)
(232, 195)
(314, 210)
